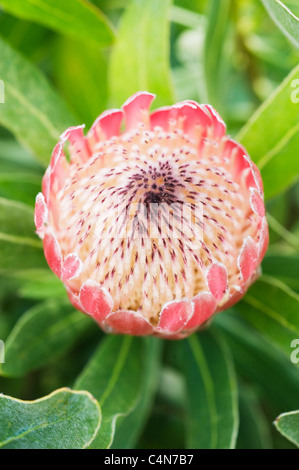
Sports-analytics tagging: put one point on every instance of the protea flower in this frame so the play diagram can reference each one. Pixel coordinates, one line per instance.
(113, 226)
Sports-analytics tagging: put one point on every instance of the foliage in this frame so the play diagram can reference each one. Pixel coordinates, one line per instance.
(62, 63)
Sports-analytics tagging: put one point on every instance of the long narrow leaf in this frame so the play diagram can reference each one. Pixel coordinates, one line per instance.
(213, 51)
(32, 111)
(205, 361)
(41, 334)
(77, 18)
(284, 18)
(140, 58)
(254, 432)
(135, 421)
(271, 137)
(115, 376)
(19, 246)
(257, 362)
(273, 309)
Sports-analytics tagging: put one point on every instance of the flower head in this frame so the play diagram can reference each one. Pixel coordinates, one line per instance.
(156, 226)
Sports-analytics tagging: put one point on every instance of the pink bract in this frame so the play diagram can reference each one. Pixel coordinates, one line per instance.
(154, 228)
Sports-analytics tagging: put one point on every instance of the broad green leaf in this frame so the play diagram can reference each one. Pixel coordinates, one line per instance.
(212, 421)
(135, 421)
(115, 376)
(42, 333)
(76, 18)
(273, 309)
(257, 362)
(218, 19)
(271, 136)
(283, 267)
(140, 57)
(32, 111)
(65, 419)
(20, 248)
(284, 18)
(88, 93)
(288, 425)
(293, 5)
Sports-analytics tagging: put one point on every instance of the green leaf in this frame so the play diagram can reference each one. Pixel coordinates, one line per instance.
(20, 248)
(88, 93)
(284, 18)
(280, 169)
(285, 268)
(212, 421)
(288, 425)
(257, 362)
(115, 376)
(271, 136)
(273, 309)
(20, 186)
(184, 17)
(254, 432)
(165, 428)
(62, 420)
(107, 5)
(218, 19)
(290, 238)
(42, 333)
(14, 158)
(141, 53)
(76, 18)
(136, 420)
(20, 173)
(28, 38)
(32, 111)
(39, 284)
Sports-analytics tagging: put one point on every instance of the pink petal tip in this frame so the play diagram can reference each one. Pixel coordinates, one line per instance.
(128, 323)
(41, 212)
(217, 280)
(248, 259)
(71, 268)
(134, 106)
(174, 316)
(53, 254)
(95, 300)
(205, 305)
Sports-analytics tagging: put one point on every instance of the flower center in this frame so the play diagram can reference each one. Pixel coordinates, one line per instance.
(148, 213)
